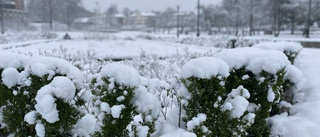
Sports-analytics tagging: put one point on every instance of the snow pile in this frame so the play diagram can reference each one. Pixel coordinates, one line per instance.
(146, 103)
(122, 74)
(85, 126)
(10, 77)
(196, 121)
(205, 67)
(60, 87)
(8, 59)
(237, 102)
(45, 65)
(254, 59)
(40, 66)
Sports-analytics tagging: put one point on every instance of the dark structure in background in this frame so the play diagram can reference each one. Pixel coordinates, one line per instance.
(13, 15)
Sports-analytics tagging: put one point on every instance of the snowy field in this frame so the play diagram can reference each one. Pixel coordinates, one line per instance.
(162, 56)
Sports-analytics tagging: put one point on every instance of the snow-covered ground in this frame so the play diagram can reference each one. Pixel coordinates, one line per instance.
(304, 119)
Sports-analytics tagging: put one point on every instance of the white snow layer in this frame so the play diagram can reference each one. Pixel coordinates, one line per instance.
(282, 46)
(196, 121)
(122, 74)
(60, 87)
(85, 126)
(146, 102)
(116, 110)
(30, 117)
(41, 66)
(40, 130)
(254, 59)
(237, 102)
(10, 77)
(205, 67)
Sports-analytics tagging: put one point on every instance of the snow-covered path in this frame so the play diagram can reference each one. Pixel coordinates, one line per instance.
(305, 115)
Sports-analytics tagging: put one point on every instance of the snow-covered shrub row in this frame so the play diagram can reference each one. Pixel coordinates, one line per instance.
(242, 87)
(39, 96)
(25, 36)
(210, 41)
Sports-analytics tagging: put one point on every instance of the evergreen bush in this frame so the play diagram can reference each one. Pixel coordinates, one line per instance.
(115, 98)
(20, 88)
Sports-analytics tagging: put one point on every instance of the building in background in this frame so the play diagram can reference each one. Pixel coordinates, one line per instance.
(14, 14)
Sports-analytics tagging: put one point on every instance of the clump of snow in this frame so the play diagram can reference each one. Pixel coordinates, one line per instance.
(47, 108)
(196, 121)
(271, 95)
(122, 74)
(30, 117)
(146, 102)
(8, 59)
(85, 126)
(39, 69)
(169, 130)
(40, 130)
(116, 110)
(282, 46)
(59, 66)
(294, 75)
(60, 87)
(254, 59)
(237, 102)
(205, 67)
(105, 107)
(40, 66)
(10, 77)
(249, 118)
(142, 131)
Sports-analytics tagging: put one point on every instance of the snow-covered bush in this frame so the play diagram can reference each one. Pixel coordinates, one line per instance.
(291, 50)
(120, 100)
(210, 109)
(241, 87)
(38, 95)
(262, 73)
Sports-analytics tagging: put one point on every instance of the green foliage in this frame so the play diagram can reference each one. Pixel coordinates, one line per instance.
(20, 100)
(116, 127)
(291, 55)
(258, 86)
(68, 116)
(207, 97)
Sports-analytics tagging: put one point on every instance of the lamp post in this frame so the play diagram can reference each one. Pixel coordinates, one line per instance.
(198, 19)
(178, 7)
(308, 21)
(1, 10)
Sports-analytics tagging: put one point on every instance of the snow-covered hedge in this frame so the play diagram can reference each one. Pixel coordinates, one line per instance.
(236, 90)
(38, 95)
(231, 93)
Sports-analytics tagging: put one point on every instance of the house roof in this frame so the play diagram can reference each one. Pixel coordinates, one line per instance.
(81, 20)
(119, 15)
(145, 14)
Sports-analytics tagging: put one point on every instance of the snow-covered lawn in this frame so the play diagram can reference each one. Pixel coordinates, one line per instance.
(304, 119)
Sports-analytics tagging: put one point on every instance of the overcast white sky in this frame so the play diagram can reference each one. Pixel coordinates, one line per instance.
(147, 5)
